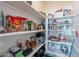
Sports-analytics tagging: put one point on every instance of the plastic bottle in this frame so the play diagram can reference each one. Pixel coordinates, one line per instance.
(19, 43)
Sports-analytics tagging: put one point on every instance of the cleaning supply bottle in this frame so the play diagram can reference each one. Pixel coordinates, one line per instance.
(19, 43)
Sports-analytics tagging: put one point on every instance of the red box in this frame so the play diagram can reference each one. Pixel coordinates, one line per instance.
(14, 23)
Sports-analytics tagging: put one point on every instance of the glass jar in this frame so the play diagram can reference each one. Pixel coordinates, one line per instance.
(33, 42)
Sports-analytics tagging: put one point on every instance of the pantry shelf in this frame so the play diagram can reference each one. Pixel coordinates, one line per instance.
(60, 42)
(17, 33)
(35, 50)
(64, 17)
(24, 6)
(58, 53)
(61, 29)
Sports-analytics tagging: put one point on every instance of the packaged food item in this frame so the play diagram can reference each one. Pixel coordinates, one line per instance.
(1, 29)
(35, 26)
(14, 49)
(76, 34)
(54, 38)
(30, 24)
(40, 27)
(28, 44)
(1, 22)
(1, 18)
(59, 13)
(25, 25)
(67, 12)
(33, 42)
(14, 24)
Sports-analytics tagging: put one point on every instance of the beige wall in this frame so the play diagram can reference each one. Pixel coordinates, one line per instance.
(37, 5)
(51, 6)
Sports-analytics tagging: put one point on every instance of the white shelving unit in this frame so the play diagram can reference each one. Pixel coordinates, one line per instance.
(61, 42)
(64, 17)
(24, 6)
(23, 32)
(56, 51)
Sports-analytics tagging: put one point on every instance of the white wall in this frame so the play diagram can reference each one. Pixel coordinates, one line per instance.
(6, 42)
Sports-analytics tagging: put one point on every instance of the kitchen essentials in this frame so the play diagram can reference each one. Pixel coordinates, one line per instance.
(61, 27)
(44, 23)
(64, 38)
(35, 26)
(25, 25)
(33, 42)
(1, 22)
(64, 49)
(49, 26)
(67, 12)
(55, 26)
(58, 13)
(27, 51)
(76, 33)
(23, 53)
(19, 54)
(40, 26)
(30, 24)
(14, 49)
(2, 29)
(19, 43)
(28, 44)
(40, 37)
(39, 40)
(54, 38)
(14, 23)
(1, 18)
